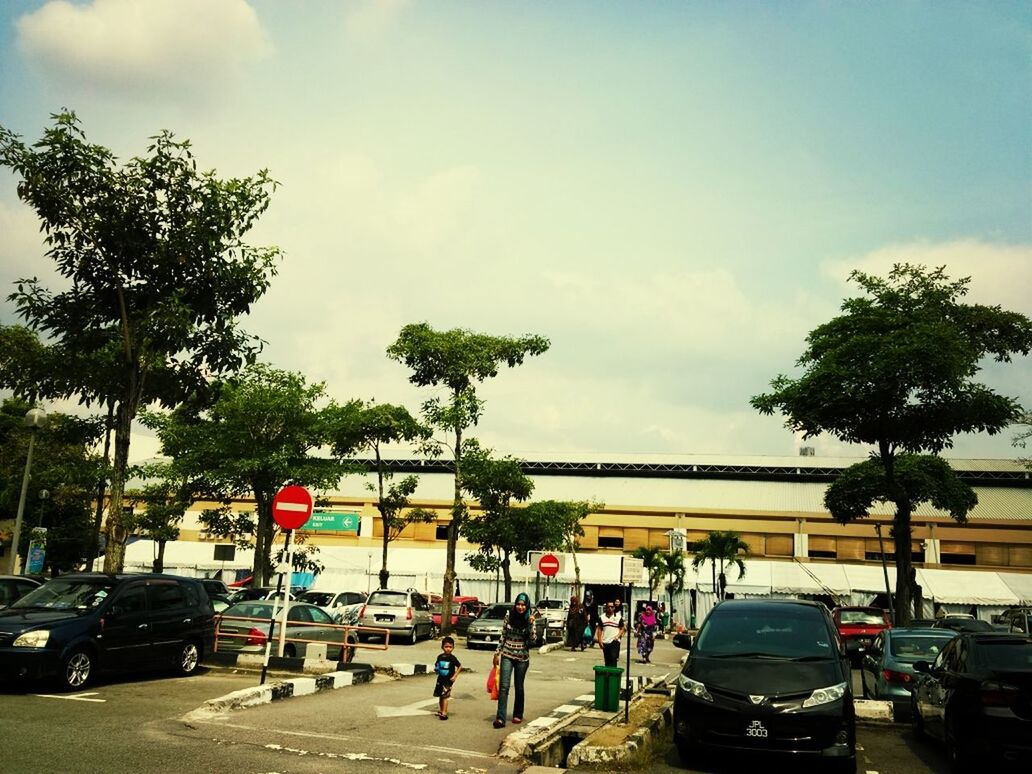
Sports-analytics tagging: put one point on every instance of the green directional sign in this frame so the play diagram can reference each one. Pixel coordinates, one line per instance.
(324, 521)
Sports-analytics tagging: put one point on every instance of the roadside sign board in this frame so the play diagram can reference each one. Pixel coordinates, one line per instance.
(292, 506)
(324, 521)
(548, 565)
(631, 570)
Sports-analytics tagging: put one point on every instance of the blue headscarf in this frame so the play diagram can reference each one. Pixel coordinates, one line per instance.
(520, 620)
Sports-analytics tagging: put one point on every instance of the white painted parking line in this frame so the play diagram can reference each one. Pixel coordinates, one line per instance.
(77, 697)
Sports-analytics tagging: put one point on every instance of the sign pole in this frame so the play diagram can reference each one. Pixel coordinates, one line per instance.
(272, 621)
(627, 687)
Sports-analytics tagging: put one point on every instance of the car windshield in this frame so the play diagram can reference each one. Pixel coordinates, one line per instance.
(776, 633)
(907, 648)
(387, 599)
(318, 597)
(496, 612)
(1006, 654)
(68, 595)
(873, 617)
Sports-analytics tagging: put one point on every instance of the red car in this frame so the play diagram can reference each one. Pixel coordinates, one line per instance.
(464, 611)
(861, 625)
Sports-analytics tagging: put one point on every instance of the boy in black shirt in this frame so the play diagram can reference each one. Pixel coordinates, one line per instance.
(447, 668)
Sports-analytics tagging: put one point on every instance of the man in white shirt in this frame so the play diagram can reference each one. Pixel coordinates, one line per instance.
(609, 633)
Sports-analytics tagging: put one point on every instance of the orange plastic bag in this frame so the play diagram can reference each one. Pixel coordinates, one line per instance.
(492, 683)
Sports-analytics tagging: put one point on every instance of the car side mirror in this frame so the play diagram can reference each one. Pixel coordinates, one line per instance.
(922, 666)
(683, 640)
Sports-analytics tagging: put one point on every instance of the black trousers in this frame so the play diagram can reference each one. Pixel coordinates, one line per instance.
(611, 653)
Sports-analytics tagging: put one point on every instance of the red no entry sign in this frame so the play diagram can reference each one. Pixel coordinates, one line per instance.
(291, 507)
(548, 565)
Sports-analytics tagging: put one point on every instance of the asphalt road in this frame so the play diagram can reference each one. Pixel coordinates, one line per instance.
(137, 724)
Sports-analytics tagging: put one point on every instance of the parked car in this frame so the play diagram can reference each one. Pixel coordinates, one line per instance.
(342, 606)
(771, 677)
(1018, 620)
(887, 670)
(957, 624)
(487, 629)
(305, 622)
(14, 587)
(976, 697)
(405, 614)
(248, 593)
(461, 618)
(216, 589)
(860, 625)
(553, 611)
(75, 626)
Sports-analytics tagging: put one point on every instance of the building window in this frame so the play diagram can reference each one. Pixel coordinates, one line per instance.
(957, 559)
(821, 554)
(610, 542)
(441, 532)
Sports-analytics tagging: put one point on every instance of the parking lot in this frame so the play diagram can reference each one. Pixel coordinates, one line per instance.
(136, 723)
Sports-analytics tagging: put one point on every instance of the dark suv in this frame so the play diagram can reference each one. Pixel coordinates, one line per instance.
(769, 676)
(73, 626)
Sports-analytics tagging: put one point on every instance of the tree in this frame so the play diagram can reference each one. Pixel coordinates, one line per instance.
(158, 275)
(357, 426)
(896, 371)
(497, 484)
(256, 437)
(457, 360)
(675, 569)
(721, 547)
(165, 498)
(652, 558)
(1024, 422)
(64, 470)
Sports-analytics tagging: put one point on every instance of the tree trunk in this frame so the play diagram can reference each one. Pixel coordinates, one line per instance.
(159, 560)
(507, 575)
(384, 574)
(114, 554)
(448, 589)
(260, 566)
(904, 564)
(98, 519)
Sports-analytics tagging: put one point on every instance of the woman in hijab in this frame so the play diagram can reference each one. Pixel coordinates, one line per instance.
(647, 625)
(513, 658)
(576, 621)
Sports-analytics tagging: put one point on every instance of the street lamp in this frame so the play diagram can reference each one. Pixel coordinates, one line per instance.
(35, 419)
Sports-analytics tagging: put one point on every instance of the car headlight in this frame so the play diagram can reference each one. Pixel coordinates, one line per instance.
(826, 695)
(694, 687)
(34, 639)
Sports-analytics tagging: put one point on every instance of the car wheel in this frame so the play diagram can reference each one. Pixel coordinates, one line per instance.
(434, 632)
(189, 659)
(77, 669)
(347, 653)
(413, 638)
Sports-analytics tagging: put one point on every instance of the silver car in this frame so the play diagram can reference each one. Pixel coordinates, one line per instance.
(244, 628)
(405, 614)
(487, 629)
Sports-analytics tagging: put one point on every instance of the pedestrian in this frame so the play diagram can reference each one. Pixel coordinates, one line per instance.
(447, 668)
(608, 634)
(513, 658)
(647, 625)
(576, 621)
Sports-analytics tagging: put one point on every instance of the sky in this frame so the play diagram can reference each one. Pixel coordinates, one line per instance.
(673, 193)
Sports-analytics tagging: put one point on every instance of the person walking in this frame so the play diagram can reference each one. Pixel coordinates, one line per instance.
(513, 658)
(647, 625)
(447, 668)
(609, 633)
(576, 621)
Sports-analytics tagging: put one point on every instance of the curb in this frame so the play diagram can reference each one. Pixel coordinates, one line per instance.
(874, 712)
(519, 745)
(631, 752)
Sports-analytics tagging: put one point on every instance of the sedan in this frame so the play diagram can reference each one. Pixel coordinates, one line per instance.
(14, 587)
(486, 631)
(244, 628)
(887, 671)
(976, 697)
(957, 624)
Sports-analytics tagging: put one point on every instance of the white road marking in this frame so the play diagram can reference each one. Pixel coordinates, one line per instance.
(77, 697)
(405, 709)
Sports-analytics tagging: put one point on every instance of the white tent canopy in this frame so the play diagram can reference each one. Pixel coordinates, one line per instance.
(1021, 585)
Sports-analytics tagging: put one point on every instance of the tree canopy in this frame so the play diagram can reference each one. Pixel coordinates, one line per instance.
(721, 547)
(155, 274)
(896, 370)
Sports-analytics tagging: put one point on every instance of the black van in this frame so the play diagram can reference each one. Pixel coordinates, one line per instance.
(73, 626)
(767, 676)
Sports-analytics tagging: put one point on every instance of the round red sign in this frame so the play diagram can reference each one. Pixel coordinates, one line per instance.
(292, 506)
(548, 565)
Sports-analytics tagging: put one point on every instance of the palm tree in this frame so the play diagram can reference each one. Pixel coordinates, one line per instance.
(673, 562)
(723, 547)
(652, 559)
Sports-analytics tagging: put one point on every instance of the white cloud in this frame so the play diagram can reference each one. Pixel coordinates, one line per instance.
(368, 20)
(22, 244)
(185, 48)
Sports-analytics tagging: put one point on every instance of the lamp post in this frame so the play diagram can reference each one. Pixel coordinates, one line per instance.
(35, 419)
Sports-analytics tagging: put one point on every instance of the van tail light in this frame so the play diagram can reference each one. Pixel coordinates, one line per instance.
(994, 694)
(408, 613)
(361, 612)
(255, 637)
(892, 676)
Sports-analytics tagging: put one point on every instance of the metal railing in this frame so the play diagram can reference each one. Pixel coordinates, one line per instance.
(274, 624)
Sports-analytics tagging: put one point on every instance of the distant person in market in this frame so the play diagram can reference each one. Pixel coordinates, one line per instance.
(609, 633)
(513, 659)
(648, 625)
(576, 622)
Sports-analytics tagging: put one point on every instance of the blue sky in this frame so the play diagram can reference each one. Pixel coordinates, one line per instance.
(673, 193)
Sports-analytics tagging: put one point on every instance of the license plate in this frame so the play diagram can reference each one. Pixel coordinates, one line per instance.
(385, 618)
(756, 730)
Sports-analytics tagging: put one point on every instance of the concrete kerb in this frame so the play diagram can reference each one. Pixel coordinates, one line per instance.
(354, 674)
(873, 712)
(634, 751)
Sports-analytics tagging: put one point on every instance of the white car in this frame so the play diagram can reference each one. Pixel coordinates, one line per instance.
(343, 606)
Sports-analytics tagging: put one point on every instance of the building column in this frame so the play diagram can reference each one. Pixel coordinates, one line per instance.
(801, 541)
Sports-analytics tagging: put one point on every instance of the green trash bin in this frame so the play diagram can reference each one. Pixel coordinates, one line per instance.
(607, 688)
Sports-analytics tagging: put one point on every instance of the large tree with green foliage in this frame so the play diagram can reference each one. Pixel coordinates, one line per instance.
(457, 360)
(165, 497)
(155, 274)
(723, 548)
(652, 558)
(501, 530)
(256, 437)
(64, 466)
(673, 562)
(896, 371)
(358, 427)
